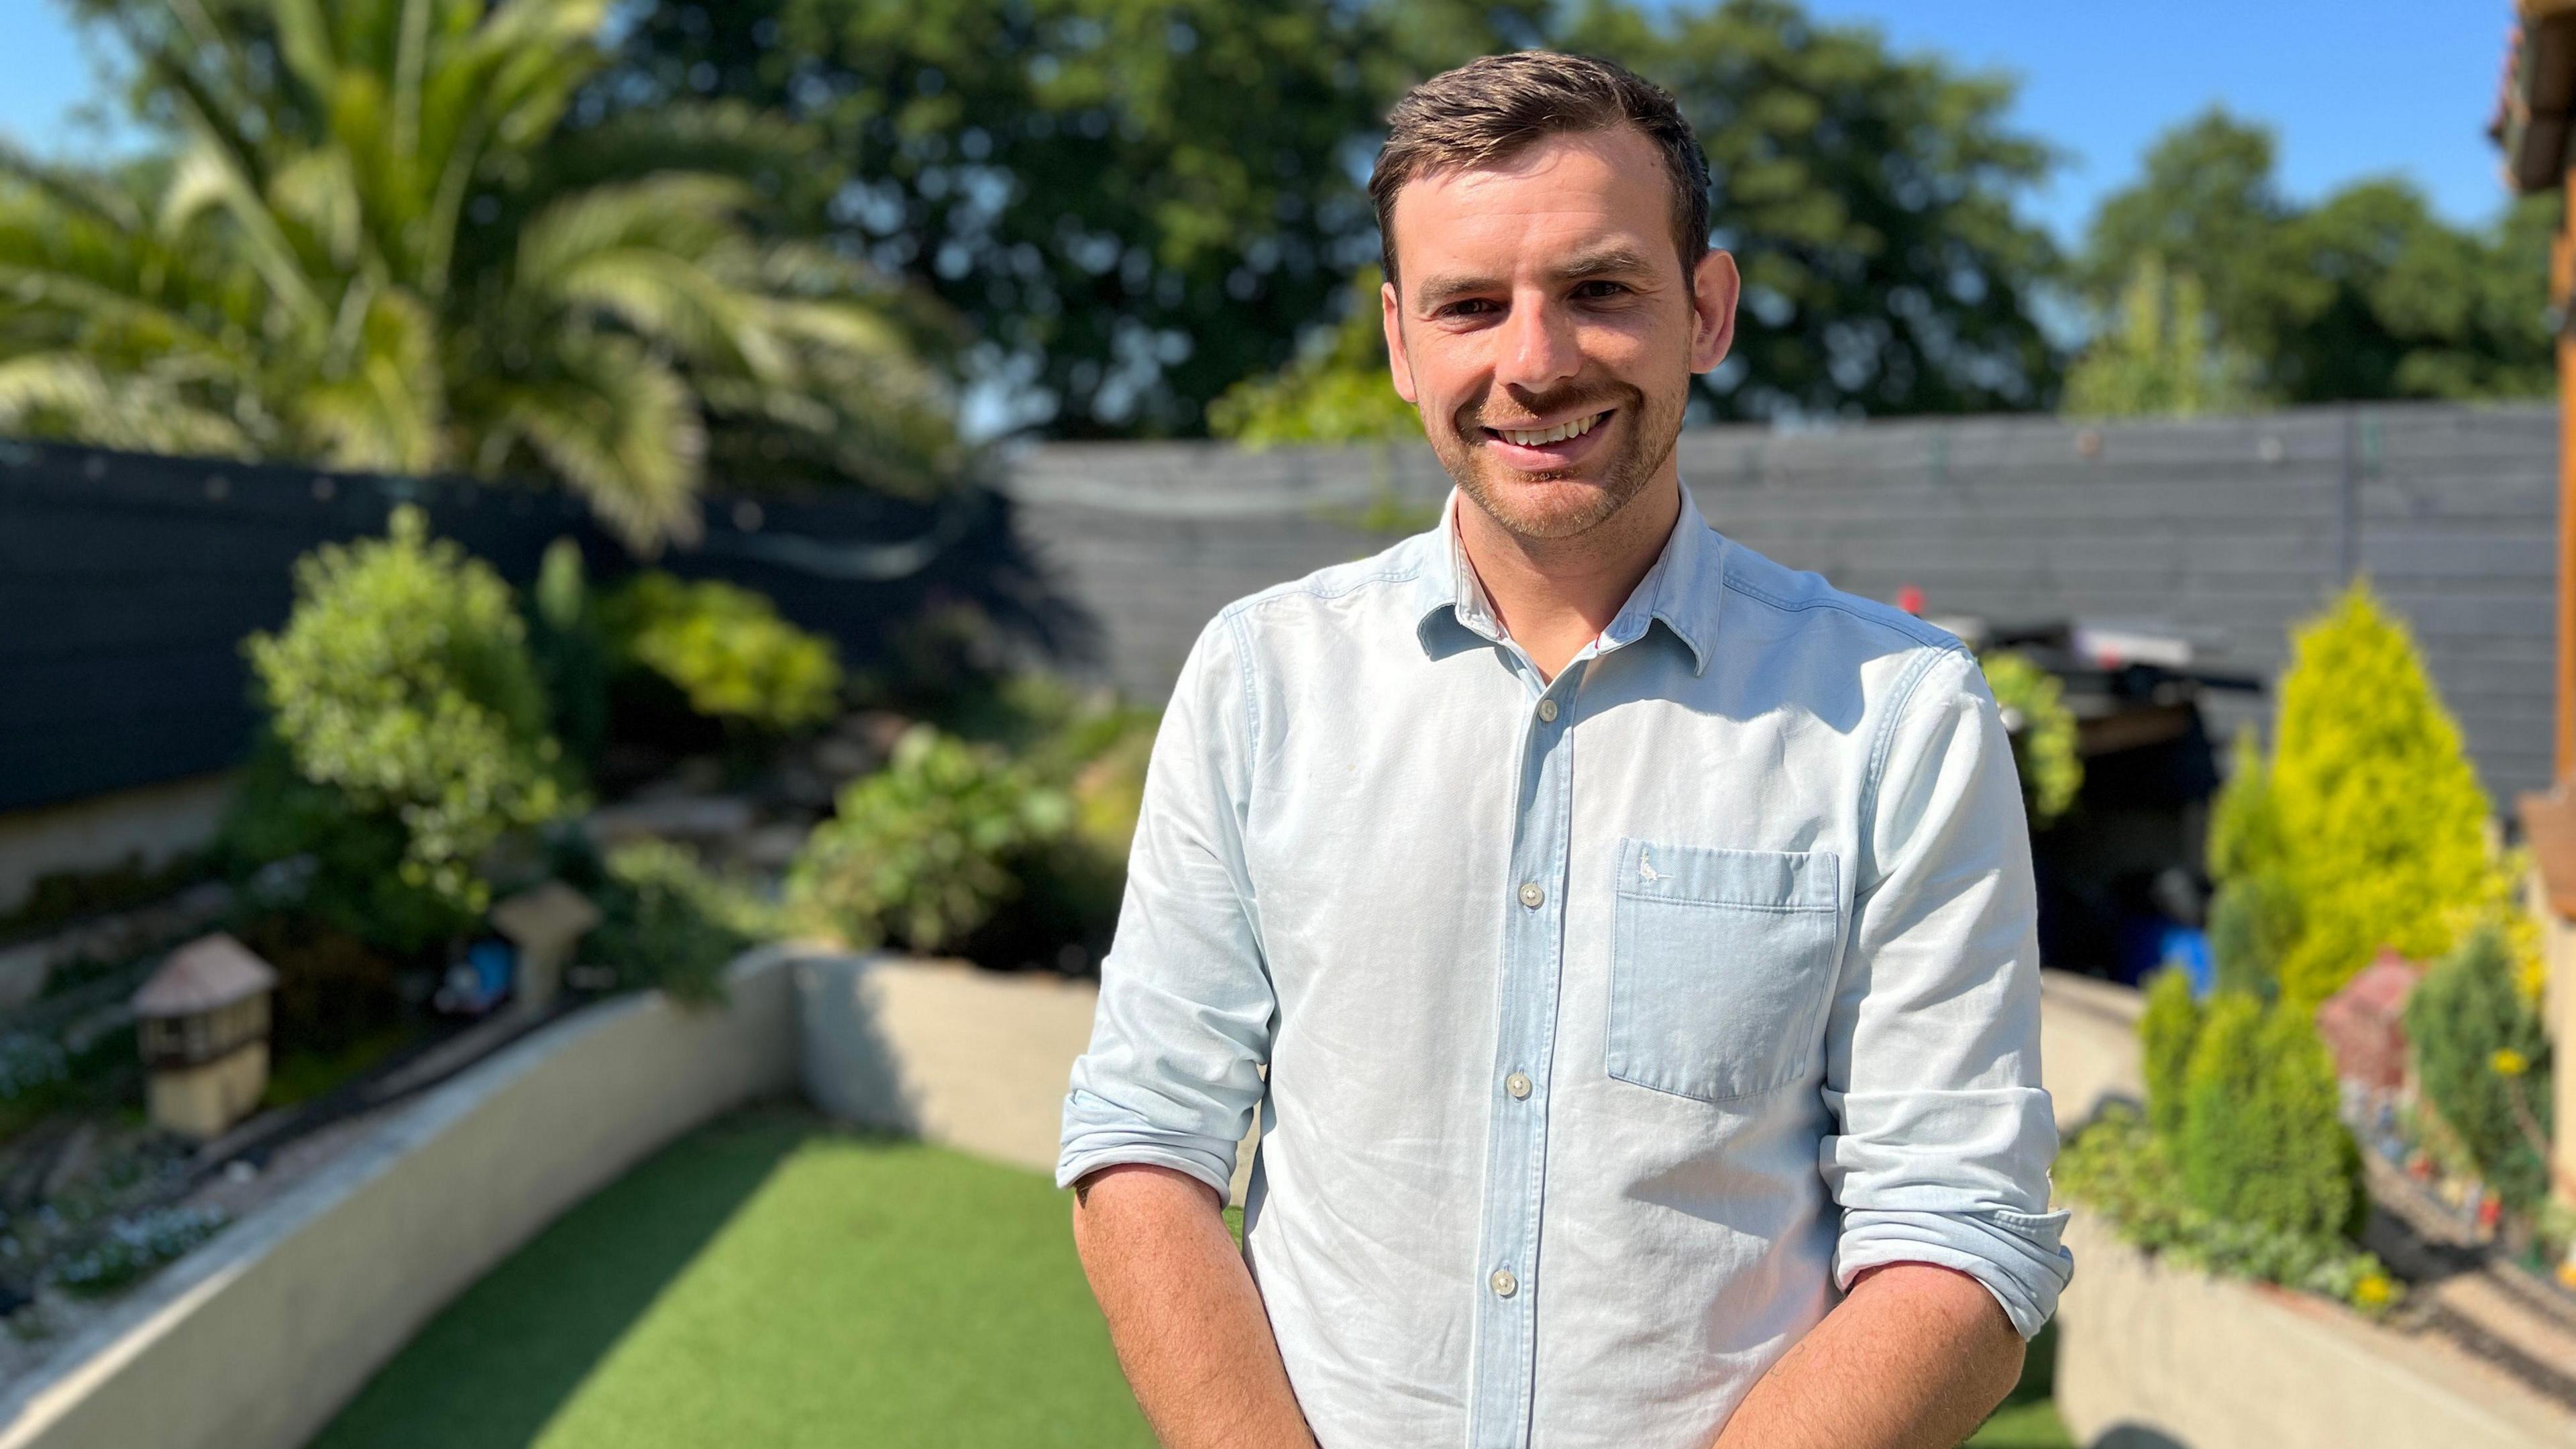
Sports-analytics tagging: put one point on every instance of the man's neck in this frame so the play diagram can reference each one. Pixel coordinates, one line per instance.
(1556, 595)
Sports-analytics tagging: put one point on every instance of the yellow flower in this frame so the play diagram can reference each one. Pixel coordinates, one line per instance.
(2373, 1291)
(2509, 1063)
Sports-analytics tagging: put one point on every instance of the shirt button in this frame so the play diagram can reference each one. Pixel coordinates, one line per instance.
(1518, 1085)
(1505, 1285)
(1547, 711)
(1532, 896)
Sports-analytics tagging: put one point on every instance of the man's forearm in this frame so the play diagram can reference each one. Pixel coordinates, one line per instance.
(1183, 1312)
(1914, 1358)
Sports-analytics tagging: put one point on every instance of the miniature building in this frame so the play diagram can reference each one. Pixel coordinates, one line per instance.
(202, 1021)
(2364, 1024)
(543, 925)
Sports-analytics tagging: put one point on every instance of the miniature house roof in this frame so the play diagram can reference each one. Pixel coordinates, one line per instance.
(208, 973)
(551, 914)
(2380, 989)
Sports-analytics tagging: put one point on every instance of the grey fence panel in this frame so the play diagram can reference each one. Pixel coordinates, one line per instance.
(2228, 531)
(127, 583)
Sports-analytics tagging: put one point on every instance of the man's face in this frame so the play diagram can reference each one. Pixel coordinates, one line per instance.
(1545, 327)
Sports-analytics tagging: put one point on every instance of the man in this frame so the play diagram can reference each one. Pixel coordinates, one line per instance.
(1627, 942)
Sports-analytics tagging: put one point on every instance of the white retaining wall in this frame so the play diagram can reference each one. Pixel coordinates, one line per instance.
(2151, 1356)
(256, 1340)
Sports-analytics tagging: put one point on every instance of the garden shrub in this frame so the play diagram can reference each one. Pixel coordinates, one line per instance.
(917, 853)
(2377, 800)
(2043, 733)
(2261, 1138)
(356, 881)
(564, 639)
(402, 682)
(2254, 912)
(725, 649)
(2482, 1061)
(2122, 1169)
(2253, 923)
(668, 922)
(2167, 1030)
(2214, 1152)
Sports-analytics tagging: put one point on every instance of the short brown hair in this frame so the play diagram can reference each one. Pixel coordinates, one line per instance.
(1491, 109)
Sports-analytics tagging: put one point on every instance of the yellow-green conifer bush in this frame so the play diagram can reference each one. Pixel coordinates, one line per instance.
(2254, 912)
(2382, 822)
(2483, 1060)
(2167, 1031)
(2261, 1141)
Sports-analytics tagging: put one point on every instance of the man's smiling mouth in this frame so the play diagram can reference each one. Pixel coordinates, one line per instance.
(1538, 437)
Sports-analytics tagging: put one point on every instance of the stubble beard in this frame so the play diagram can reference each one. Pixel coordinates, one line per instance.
(1564, 503)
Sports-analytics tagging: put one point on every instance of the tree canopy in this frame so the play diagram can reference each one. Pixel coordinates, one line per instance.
(1141, 205)
(2366, 294)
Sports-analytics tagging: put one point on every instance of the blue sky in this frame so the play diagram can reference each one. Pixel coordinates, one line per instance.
(2353, 87)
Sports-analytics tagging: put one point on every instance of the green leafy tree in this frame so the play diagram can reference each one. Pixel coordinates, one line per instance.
(726, 649)
(2367, 294)
(2383, 820)
(2158, 359)
(1143, 205)
(374, 243)
(2261, 1139)
(1868, 197)
(1134, 204)
(402, 684)
(2168, 1029)
(2483, 1060)
(2043, 733)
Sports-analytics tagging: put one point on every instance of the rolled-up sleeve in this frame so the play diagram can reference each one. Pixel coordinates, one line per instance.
(1183, 1028)
(1944, 1135)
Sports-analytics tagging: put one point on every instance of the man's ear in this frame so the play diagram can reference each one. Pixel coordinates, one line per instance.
(1391, 308)
(1714, 289)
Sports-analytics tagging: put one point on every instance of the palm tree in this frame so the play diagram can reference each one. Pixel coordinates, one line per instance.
(377, 244)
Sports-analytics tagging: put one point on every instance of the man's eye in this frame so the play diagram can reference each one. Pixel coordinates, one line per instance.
(1595, 291)
(1470, 307)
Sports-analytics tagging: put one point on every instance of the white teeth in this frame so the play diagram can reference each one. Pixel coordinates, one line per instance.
(1556, 434)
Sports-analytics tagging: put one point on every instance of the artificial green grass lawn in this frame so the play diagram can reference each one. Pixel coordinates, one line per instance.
(768, 1280)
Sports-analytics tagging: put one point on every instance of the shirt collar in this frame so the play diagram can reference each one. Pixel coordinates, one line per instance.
(1683, 589)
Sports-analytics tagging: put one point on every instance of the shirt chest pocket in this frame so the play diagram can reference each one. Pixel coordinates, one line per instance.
(1720, 961)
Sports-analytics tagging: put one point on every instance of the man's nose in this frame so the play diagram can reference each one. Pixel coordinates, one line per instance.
(1538, 346)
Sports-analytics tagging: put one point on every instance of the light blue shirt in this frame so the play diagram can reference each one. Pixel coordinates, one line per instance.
(1601, 1029)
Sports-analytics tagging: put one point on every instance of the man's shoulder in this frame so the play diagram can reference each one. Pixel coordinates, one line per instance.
(1336, 594)
(1799, 608)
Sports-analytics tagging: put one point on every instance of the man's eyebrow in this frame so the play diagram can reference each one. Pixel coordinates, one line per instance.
(1605, 262)
(1611, 261)
(1450, 286)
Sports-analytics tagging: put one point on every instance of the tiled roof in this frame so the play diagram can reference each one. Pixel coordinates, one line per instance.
(207, 973)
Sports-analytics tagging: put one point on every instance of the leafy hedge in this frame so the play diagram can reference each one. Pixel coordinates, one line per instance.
(2124, 1171)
